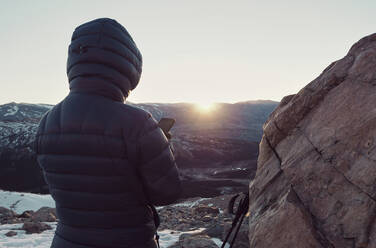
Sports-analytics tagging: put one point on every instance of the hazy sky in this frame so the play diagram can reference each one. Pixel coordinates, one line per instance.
(194, 51)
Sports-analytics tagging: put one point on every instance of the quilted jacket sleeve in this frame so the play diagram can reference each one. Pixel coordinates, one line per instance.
(157, 166)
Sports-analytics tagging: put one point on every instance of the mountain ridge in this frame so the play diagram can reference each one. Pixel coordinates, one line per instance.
(216, 152)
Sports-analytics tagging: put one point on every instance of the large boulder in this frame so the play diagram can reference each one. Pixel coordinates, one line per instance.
(44, 214)
(35, 227)
(315, 184)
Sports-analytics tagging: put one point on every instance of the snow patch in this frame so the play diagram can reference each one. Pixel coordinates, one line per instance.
(190, 203)
(42, 240)
(219, 243)
(20, 202)
(169, 237)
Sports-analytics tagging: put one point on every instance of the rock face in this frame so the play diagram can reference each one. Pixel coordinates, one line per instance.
(315, 184)
(216, 152)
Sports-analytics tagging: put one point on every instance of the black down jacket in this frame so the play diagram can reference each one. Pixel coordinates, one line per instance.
(104, 161)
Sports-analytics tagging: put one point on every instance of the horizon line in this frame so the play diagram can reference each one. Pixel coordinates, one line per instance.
(173, 102)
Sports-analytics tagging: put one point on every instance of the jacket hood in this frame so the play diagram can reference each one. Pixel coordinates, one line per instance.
(103, 59)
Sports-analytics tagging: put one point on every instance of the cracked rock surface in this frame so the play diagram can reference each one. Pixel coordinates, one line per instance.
(315, 184)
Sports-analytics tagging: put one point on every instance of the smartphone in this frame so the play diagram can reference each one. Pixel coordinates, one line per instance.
(166, 124)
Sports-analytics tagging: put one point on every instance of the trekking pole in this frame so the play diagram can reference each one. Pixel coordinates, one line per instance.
(157, 238)
(237, 230)
(240, 213)
(157, 222)
(234, 222)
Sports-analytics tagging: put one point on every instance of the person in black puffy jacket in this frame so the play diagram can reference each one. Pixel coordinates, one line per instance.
(104, 161)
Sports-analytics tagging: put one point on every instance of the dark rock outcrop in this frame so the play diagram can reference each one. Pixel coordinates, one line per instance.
(44, 214)
(315, 184)
(11, 234)
(35, 227)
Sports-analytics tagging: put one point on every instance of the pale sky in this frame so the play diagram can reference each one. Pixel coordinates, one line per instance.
(193, 51)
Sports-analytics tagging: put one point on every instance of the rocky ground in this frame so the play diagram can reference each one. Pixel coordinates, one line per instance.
(33, 222)
(198, 222)
(208, 213)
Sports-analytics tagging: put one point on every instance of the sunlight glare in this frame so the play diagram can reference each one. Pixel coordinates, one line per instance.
(205, 107)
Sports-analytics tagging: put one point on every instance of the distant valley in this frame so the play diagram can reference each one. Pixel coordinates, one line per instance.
(216, 151)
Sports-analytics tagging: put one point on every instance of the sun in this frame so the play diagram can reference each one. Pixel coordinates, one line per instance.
(205, 107)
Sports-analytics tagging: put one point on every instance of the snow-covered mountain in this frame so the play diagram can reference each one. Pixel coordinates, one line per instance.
(217, 149)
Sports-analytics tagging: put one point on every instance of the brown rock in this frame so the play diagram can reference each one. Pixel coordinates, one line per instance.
(14, 220)
(315, 184)
(203, 210)
(26, 214)
(11, 234)
(194, 241)
(35, 227)
(7, 216)
(214, 231)
(44, 214)
(5, 212)
(207, 218)
(183, 227)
